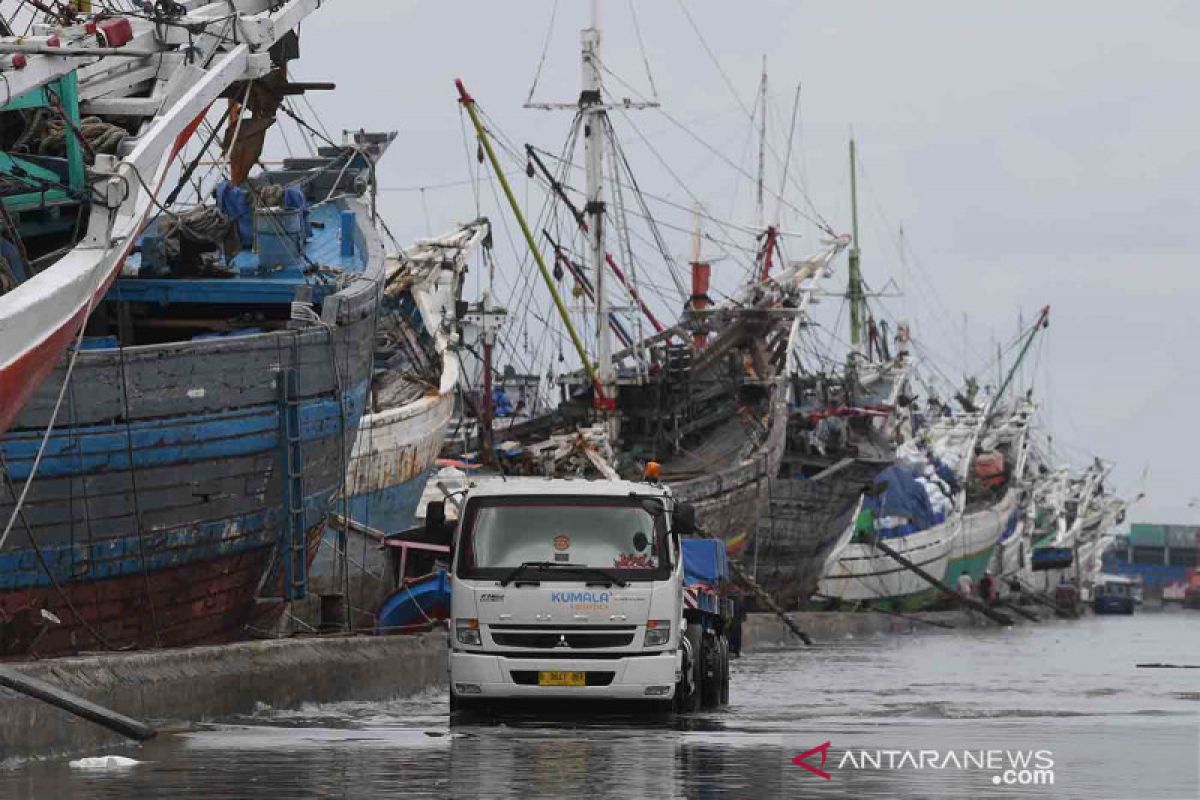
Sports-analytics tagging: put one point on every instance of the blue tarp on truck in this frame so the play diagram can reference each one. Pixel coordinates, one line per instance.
(704, 561)
(705, 572)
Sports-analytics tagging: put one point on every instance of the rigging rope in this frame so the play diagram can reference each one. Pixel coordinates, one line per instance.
(545, 49)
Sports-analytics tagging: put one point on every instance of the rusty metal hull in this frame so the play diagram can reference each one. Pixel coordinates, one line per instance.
(157, 512)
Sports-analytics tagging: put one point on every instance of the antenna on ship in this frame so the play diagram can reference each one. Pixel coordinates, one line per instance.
(593, 111)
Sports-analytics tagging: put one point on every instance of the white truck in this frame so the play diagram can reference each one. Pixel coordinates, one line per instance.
(577, 589)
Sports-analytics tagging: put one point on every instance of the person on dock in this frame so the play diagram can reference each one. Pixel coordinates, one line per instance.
(965, 585)
(987, 588)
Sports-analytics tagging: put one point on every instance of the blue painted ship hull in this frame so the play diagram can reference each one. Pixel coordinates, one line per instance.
(162, 507)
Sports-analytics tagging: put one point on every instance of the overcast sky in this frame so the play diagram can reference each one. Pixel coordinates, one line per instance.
(1035, 153)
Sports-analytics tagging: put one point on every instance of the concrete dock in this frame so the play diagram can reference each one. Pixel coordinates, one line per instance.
(178, 688)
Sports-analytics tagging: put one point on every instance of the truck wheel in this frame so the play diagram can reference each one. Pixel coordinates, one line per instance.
(466, 706)
(724, 671)
(711, 696)
(689, 702)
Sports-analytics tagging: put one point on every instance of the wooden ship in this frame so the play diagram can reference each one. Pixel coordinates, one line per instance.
(170, 481)
(703, 399)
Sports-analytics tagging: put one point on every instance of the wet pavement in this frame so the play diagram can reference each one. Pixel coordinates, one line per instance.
(973, 713)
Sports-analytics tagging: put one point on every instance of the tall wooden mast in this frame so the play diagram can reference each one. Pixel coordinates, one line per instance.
(854, 289)
(593, 111)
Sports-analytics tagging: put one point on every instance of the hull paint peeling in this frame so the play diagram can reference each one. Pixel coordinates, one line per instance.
(158, 515)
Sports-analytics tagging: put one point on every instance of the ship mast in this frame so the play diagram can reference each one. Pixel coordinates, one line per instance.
(854, 289)
(760, 213)
(593, 112)
(591, 109)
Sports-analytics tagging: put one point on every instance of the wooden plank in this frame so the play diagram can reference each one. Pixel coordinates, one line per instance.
(74, 704)
(970, 602)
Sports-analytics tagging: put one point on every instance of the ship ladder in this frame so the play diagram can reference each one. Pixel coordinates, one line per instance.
(294, 544)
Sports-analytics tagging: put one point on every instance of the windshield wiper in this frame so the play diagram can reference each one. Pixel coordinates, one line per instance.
(525, 565)
(608, 576)
(507, 579)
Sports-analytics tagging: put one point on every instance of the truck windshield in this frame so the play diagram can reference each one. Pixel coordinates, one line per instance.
(616, 535)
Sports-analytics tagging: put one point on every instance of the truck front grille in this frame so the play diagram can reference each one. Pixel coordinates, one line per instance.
(576, 640)
(529, 677)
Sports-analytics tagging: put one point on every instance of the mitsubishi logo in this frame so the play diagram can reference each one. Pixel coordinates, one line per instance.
(562, 640)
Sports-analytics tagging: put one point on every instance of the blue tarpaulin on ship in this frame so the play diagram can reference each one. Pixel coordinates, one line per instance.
(946, 474)
(903, 497)
(501, 405)
(237, 204)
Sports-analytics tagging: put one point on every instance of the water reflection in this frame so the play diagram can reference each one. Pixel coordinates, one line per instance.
(1115, 731)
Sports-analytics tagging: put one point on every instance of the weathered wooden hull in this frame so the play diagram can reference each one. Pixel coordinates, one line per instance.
(803, 523)
(157, 513)
(393, 456)
(982, 530)
(196, 601)
(730, 501)
(860, 572)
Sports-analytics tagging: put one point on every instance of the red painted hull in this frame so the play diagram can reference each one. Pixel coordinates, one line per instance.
(209, 602)
(20, 379)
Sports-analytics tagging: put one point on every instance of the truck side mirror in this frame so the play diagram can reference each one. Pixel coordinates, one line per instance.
(685, 519)
(436, 528)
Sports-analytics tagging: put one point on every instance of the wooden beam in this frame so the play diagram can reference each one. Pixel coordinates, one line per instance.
(74, 704)
(969, 602)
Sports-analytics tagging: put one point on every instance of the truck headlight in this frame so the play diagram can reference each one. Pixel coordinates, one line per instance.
(658, 632)
(466, 631)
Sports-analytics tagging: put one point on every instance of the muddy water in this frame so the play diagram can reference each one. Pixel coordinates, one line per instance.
(904, 716)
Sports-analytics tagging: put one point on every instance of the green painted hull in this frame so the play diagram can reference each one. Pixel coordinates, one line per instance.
(973, 565)
(908, 602)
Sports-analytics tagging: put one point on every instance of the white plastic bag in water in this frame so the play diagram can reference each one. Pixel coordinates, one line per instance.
(104, 762)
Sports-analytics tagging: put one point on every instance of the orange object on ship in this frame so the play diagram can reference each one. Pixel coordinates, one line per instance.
(989, 469)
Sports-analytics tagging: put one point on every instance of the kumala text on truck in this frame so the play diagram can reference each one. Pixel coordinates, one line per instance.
(575, 589)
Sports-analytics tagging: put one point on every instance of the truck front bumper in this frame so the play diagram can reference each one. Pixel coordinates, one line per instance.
(636, 677)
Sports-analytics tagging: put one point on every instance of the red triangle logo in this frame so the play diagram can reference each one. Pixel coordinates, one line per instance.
(800, 760)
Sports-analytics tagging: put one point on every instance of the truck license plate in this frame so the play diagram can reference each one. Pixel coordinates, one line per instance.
(562, 679)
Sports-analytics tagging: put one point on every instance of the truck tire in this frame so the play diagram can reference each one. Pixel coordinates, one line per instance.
(689, 702)
(467, 706)
(724, 671)
(711, 695)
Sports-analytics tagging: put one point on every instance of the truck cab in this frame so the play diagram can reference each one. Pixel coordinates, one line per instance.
(575, 589)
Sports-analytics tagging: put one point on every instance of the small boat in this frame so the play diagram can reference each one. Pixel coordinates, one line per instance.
(1113, 594)
(416, 605)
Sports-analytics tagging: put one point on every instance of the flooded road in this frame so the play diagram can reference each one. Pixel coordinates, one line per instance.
(978, 714)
